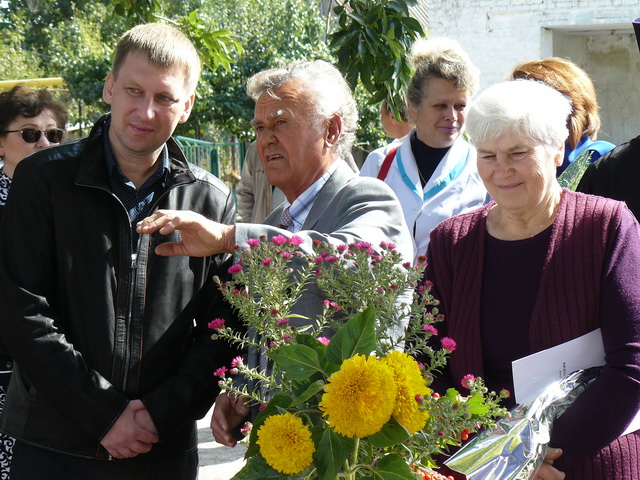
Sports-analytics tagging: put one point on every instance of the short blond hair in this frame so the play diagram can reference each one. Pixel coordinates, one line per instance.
(165, 46)
(440, 58)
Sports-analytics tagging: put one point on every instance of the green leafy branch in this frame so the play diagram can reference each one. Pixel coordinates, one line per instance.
(372, 44)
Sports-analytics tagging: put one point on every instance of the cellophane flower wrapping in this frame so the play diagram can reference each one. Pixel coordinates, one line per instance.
(516, 447)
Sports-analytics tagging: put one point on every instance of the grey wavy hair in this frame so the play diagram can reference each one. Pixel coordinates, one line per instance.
(326, 88)
(520, 107)
(441, 58)
(165, 46)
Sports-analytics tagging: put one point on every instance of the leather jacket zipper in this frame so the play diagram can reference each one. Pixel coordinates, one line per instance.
(129, 335)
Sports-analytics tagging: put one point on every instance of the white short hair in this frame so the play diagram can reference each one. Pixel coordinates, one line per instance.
(524, 107)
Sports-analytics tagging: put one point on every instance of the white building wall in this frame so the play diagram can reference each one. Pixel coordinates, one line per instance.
(595, 34)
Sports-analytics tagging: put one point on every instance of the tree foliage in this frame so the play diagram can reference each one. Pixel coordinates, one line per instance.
(74, 39)
(371, 46)
(272, 32)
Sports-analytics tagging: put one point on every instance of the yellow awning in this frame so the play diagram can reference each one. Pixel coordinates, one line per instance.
(33, 82)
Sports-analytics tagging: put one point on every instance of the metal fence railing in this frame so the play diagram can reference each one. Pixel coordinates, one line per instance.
(223, 159)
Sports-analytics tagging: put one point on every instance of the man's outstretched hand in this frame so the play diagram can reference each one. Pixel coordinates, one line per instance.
(201, 237)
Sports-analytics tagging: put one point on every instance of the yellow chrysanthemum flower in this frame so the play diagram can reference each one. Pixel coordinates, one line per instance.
(285, 443)
(360, 397)
(410, 384)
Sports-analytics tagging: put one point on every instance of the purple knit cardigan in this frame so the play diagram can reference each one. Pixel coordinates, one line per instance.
(590, 279)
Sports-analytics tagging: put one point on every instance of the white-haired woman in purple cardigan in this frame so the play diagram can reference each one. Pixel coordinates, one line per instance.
(539, 266)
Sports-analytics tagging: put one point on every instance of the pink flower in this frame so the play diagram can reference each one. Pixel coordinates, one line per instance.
(421, 365)
(246, 428)
(237, 268)
(236, 362)
(296, 240)
(279, 239)
(430, 329)
(448, 344)
(220, 372)
(282, 322)
(341, 248)
(324, 340)
(262, 407)
(286, 338)
(253, 242)
(363, 245)
(267, 261)
(216, 324)
(419, 398)
(286, 255)
(328, 303)
(466, 380)
(330, 259)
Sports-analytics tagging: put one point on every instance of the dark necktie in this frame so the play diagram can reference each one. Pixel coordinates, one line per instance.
(285, 220)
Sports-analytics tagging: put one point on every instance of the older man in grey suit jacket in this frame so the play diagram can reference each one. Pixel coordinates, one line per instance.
(305, 121)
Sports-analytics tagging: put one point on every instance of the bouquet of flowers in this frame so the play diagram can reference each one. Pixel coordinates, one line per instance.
(514, 449)
(342, 395)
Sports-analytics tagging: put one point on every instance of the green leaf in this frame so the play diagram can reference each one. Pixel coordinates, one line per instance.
(391, 433)
(298, 361)
(256, 468)
(314, 388)
(452, 393)
(476, 405)
(357, 336)
(332, 451)
(393, 467)
(357, 18)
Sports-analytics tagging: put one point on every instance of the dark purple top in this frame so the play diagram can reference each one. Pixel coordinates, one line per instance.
(507, 302)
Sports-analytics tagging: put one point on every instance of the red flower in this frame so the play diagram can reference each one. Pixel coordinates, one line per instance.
(237, 268)
(448, 344)
(216, 324)
(430, 329)
(237, 361)
(296, 240)
(279, 239)
(466, 380)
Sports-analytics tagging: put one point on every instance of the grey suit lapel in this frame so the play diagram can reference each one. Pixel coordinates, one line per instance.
(341, 175)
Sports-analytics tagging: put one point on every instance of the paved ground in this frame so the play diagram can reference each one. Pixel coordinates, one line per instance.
(217, 462)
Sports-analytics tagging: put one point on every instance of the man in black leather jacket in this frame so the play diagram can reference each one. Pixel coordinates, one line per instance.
(114, 359)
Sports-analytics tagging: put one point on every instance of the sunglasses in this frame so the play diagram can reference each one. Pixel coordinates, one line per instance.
(32, 135)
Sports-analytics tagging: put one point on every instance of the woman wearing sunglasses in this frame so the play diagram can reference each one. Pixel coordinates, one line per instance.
(29, 120)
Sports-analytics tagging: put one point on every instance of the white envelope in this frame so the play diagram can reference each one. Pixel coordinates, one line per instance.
(532, 374)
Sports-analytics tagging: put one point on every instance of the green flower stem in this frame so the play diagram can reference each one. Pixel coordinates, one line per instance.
(350, 473)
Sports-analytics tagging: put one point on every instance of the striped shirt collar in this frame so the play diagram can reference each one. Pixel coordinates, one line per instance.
(301, 206)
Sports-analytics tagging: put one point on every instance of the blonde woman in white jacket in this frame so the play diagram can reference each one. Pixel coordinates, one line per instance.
(433, 171)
